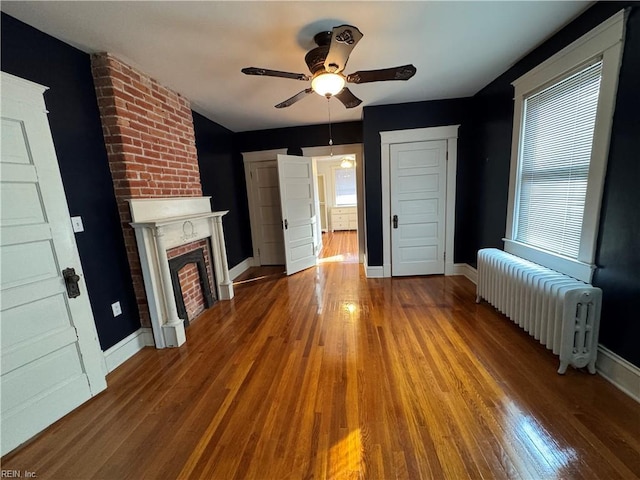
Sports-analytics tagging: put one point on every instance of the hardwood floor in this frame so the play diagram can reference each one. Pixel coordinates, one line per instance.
(327, 374)
(339, 247)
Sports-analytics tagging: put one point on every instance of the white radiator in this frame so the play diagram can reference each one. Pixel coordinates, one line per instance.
(561, 312)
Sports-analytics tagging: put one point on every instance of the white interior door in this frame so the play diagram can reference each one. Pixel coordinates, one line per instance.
(51, 359)
(418, 202)
(298, 200)
(266, 191)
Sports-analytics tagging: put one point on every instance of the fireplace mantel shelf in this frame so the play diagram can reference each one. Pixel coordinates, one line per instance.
(162, 222)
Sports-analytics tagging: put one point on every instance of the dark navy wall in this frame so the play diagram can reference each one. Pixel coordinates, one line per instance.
(294, 138)
(77, 136)
(400, 117)
(618, 255)
(222, 177)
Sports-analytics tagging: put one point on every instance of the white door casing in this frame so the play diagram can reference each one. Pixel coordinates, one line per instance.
(322, 204)
(450, 135)
(51, 358)
(298, 199)
(418, 196)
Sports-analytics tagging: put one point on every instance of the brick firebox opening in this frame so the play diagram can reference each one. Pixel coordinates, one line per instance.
(190, 277)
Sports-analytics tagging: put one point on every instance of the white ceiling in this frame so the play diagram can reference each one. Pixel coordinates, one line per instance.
(198, 48)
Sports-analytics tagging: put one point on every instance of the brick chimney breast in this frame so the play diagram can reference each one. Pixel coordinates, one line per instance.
(150, 141)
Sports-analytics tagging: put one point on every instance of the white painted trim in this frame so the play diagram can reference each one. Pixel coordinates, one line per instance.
(419, 134)
(357, 150)
(240, 268)
(591, 44)
(604, 41)
(624, 375)
(373, 272)
(568, 266)
(449, 133)
(262, 155)
(466, 270)
(127, 348)
(450, 207)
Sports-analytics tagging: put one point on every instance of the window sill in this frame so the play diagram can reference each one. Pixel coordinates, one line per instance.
(574, 268)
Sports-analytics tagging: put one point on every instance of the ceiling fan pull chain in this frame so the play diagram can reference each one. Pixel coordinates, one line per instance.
(330, 135)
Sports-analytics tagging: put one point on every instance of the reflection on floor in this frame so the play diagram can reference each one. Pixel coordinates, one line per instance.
(328, 374)
(337, 247)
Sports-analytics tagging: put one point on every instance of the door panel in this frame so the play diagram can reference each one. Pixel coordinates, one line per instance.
(51, 359)
(418, 193)
(297, 197)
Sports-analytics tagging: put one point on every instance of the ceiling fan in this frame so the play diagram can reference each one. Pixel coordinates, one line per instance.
(327, 62)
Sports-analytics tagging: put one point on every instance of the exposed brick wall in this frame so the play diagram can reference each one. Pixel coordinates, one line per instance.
(148, 131)
(189, 277)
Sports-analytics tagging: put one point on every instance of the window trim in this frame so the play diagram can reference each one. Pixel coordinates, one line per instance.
(604, 41)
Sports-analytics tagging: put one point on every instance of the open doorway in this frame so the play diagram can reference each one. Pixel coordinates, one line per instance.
(347, 212)
(341, 201)
(338, 207)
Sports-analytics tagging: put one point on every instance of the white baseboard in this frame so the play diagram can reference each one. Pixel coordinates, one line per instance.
(372, 272)
(621, 373)
(127, 348)
(240, 268)
(466, 270)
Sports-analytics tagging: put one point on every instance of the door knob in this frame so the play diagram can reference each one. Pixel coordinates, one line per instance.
(395, 221)
(71, 282)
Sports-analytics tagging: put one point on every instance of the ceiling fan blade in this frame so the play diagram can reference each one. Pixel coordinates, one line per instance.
(343, 39)
(295, 98)
(405, 72)
(274, 73)
(347, 98)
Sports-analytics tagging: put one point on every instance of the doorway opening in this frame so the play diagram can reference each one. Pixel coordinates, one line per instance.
(341, 186)
(338, 207)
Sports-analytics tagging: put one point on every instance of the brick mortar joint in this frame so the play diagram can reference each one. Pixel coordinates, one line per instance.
(106, 59)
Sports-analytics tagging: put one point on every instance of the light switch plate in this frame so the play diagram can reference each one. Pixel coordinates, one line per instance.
(116, 309)
(76, 222)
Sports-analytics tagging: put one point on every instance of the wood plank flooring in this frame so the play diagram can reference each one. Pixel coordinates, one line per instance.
(329, 375)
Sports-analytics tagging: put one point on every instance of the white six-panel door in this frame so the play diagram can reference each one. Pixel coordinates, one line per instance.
(298, 202)
(418, 202)
(51, 359)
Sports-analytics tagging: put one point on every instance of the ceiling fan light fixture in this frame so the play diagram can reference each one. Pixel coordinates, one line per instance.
(327, 84)
(346, 163)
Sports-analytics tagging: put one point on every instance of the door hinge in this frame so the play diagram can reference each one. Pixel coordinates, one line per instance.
(251, 174)
(444, 256)
(258, 252)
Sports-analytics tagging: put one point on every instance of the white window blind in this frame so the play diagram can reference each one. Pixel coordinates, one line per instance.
(345, 186)
(557, 135)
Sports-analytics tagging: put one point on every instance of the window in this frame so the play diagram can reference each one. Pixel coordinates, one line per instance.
(557, 135)
(345, 186)
(563, 111)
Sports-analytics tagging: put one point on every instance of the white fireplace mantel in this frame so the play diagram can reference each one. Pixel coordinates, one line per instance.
(164, 223)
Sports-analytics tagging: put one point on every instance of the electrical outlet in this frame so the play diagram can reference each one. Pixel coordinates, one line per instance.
(76, 223)
(116, 309)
